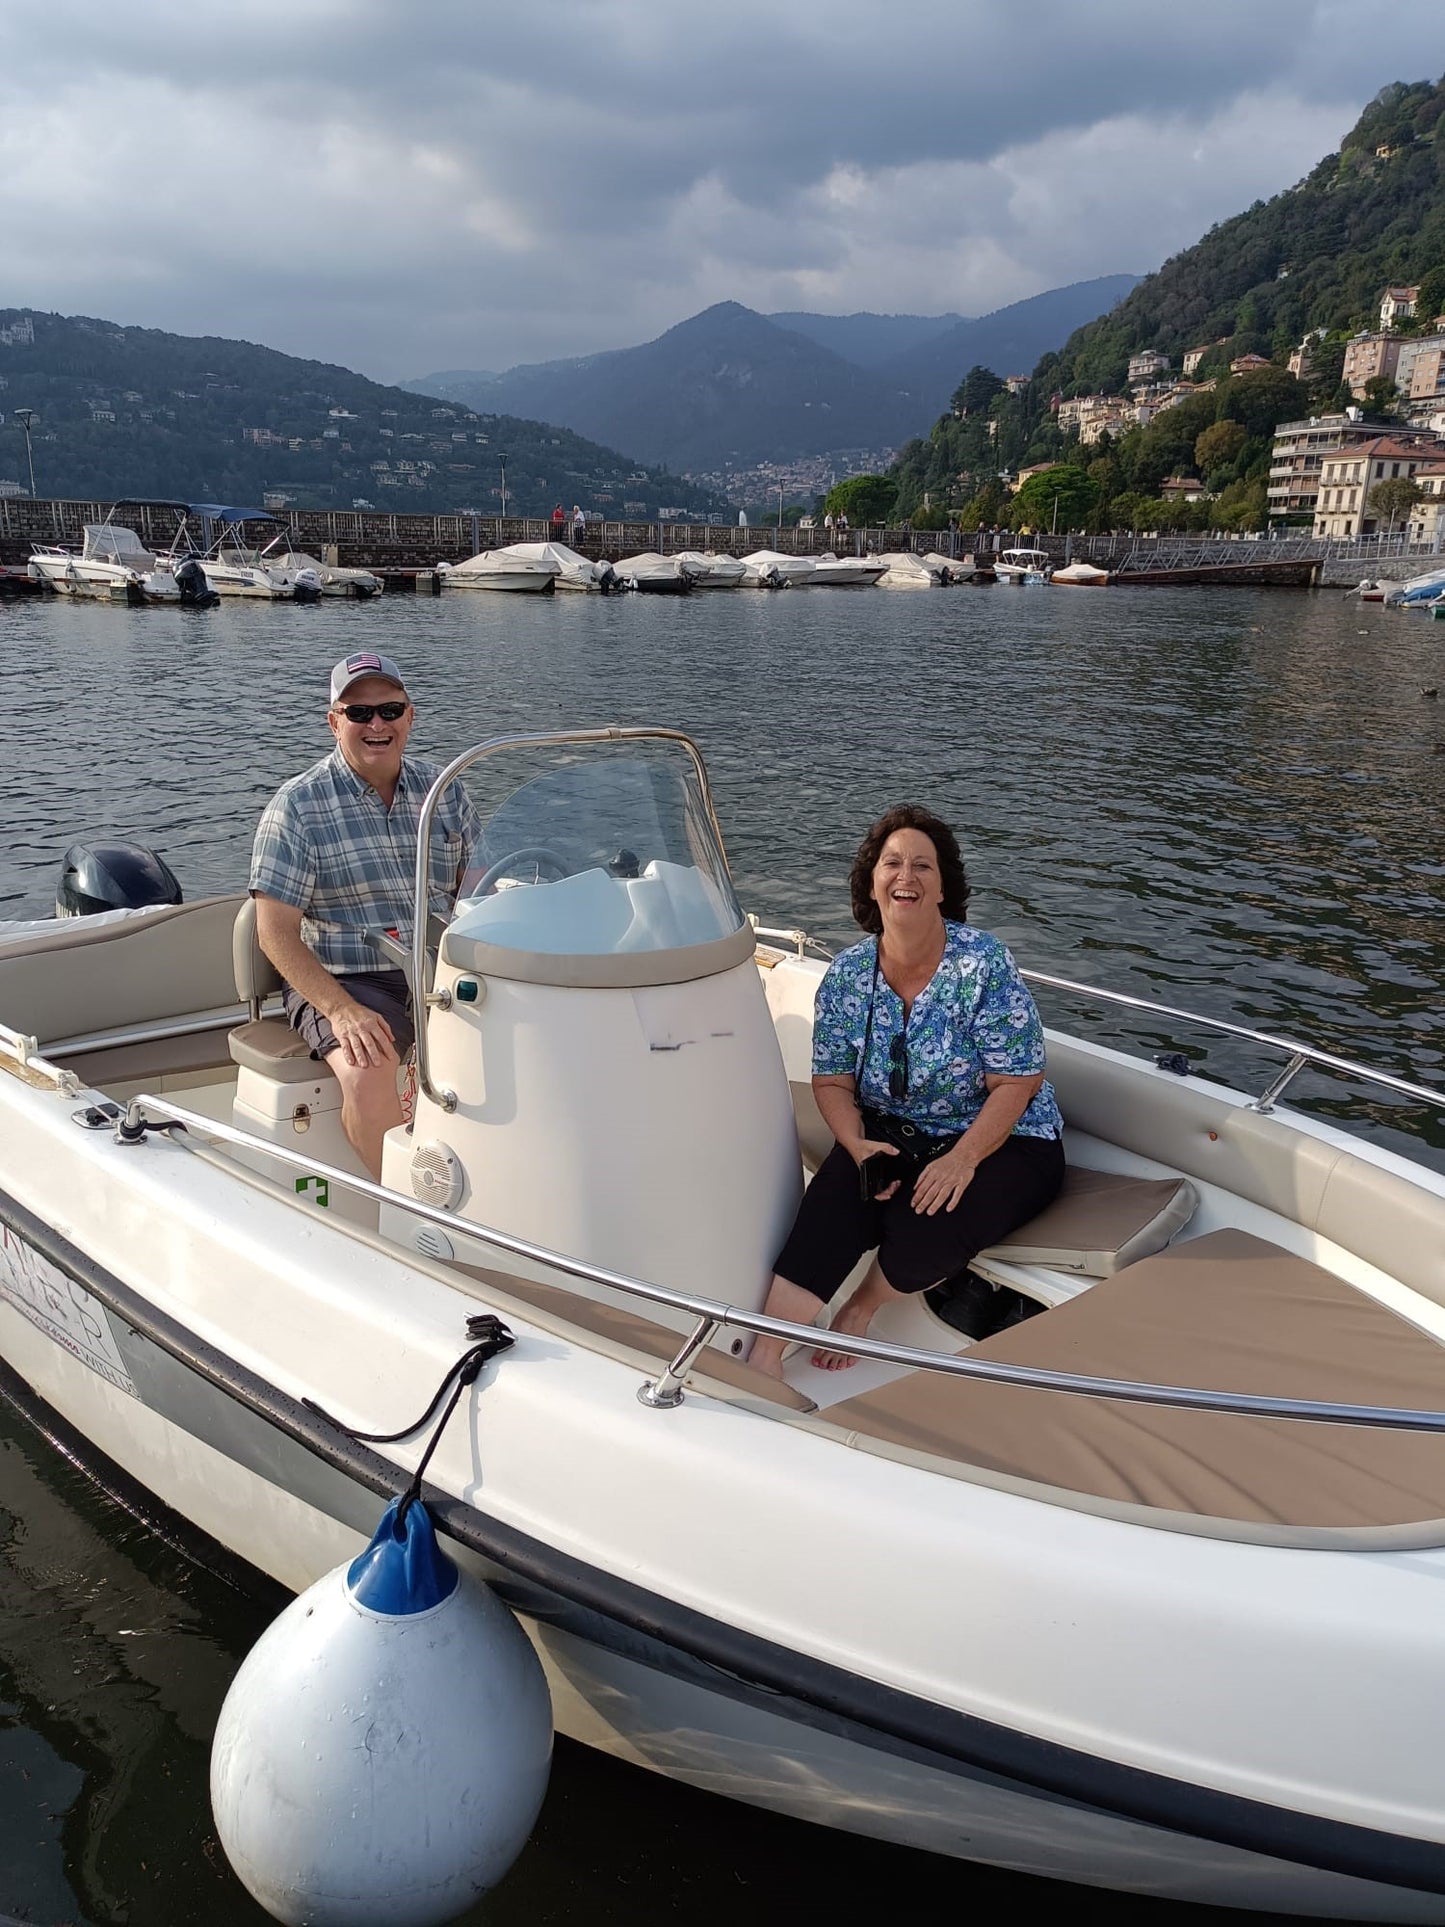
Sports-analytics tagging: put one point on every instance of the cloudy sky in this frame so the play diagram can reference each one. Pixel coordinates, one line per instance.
(443, 184)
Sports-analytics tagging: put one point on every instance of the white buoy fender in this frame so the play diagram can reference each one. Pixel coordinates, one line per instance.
(383, 1751)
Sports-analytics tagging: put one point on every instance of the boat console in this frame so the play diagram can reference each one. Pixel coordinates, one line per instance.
(598, 1070)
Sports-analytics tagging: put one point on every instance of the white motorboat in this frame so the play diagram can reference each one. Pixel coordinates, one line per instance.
(712, 571)
(1143, 1592)
(573, 571)
(904, 571)
(847, 572)
(1023, 565)
(232, 569)
(1419, 588)
(951, 568)
(651, 574)
(1080, 575)
(500, 569)
(112, 564)
(294, 566)
(769, 569)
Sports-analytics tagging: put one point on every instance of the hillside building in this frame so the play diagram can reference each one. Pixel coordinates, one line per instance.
(1420, 368)
(1348, 478)
(1367, 357)
(1303, 362)
(1090, 416)
(1145, 365)
(1246, 364)
(1299, 452)
(1016, 384)
(1396, 304)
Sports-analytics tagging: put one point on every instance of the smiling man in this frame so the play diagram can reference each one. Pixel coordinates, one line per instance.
(334, 859)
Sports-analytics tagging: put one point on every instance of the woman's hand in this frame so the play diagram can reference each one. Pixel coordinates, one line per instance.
(942, 1182)
(864, 1148)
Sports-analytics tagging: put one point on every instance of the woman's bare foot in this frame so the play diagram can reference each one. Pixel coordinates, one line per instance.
(852, 1321)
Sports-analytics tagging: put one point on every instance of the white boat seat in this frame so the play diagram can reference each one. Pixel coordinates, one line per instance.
(267, 1045)
(1224, 1312)
(1100, 1222)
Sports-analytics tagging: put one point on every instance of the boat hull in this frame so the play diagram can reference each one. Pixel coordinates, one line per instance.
(1228, 575)
(633, 1678)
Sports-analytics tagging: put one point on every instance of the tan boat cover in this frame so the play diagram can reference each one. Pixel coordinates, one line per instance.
(1225, 1312)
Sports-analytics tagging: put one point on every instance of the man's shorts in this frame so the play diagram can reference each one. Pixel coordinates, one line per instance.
(384, 991)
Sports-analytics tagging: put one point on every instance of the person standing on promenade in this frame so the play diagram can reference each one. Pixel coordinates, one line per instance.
(559, 522)
(334, 859)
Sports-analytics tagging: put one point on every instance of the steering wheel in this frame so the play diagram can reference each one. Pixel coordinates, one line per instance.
(538, 853)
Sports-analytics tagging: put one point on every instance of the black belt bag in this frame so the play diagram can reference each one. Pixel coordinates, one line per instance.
(915, 1148)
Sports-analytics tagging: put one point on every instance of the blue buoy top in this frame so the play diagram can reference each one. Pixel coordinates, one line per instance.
(403, 1570)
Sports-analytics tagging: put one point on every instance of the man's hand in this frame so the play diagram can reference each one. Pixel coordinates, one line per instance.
(363, 1035)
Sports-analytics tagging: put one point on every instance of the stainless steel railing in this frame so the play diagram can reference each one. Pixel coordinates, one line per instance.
(713, 1315)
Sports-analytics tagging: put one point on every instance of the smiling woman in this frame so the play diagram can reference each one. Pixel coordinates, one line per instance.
(928, 1060)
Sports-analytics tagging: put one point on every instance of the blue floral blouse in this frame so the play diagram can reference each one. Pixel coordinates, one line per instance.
(974, 1016)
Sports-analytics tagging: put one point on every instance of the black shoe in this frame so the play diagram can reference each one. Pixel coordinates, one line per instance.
(968, 1303)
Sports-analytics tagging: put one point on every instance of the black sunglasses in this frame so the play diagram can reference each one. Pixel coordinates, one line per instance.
(363, 712)
(898, 1066)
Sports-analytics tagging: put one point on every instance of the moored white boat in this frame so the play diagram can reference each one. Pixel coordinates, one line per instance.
(903, 571)
(294, 566)
(651, 574)
(847, 571)
(112, 564)
(712, 571)
(1080, 575)
(501, 570)
(768, 569)
(1143, 1593)
(572, 571)
(1419, 588)
(1023, 566)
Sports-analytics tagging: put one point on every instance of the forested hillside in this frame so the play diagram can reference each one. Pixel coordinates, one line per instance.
(135, 411)
(1314, 261)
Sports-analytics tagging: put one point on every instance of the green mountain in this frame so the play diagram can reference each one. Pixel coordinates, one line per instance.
(134, 411)
(1317, 256)
(1314, 261)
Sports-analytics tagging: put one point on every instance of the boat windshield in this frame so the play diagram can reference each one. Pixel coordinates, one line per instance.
(604, 850)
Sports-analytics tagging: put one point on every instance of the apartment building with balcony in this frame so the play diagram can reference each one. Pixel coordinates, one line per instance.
(1146, 364)
(1420, 369)
(1299, 452)
(1367, 356)
(1348, 478)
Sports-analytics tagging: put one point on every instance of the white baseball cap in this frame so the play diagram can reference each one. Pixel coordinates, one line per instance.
(352, 668)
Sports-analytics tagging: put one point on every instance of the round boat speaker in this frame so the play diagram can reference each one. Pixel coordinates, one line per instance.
(437, 1177)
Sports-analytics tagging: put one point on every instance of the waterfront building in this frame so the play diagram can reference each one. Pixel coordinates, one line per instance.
(1146, 364)
(1396, 304)
(1368, 356)
(1348, 478)
(1427, 519)
(1299, 452)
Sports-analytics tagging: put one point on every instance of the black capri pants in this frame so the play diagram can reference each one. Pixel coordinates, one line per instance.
(834, 1226)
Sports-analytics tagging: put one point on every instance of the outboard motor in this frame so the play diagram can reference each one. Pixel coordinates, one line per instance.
(607, 579)
(196, 591)
(112, 876)
(307, 586)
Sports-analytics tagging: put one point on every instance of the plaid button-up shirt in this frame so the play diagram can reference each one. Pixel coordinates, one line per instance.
(329, 846)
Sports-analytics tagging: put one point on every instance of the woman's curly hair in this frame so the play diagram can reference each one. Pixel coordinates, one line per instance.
(951, 873)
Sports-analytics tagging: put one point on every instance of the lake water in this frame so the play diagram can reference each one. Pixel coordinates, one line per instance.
(1231, 801)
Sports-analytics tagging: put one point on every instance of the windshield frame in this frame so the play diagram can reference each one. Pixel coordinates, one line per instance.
(421, 982)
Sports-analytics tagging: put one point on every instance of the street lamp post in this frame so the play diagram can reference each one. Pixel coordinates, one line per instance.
(780, 508)
(504, 488)
(25, 417)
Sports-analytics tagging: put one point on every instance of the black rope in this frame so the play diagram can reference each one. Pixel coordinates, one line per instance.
(492, 1337)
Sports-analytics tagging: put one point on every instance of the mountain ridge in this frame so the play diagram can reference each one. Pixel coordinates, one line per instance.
(729, 387)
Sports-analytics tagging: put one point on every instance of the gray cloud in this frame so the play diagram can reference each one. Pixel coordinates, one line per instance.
(450, 186)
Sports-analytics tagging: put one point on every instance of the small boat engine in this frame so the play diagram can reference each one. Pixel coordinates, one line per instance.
(112, 876)
(306, 587)
(196, 592)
